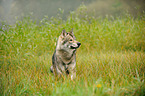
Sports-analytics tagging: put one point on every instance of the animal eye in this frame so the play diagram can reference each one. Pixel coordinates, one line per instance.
(70, 40)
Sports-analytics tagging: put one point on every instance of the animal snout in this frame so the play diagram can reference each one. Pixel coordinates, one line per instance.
(78, 43)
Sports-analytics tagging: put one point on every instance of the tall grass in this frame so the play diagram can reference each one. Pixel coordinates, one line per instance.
(110, 61)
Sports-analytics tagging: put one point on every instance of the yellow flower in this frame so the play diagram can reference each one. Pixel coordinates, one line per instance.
(98, 85)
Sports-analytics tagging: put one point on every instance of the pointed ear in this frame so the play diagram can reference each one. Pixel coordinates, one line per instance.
(63, 33)
(71, 31)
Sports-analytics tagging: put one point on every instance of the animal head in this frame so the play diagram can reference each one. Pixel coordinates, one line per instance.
(67, 41)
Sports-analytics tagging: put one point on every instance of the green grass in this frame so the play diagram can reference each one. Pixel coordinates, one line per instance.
(110, 61)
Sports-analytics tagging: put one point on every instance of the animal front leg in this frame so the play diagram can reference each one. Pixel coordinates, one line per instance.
(61, 71)
(73, 74)
(72, 71)
(57, 73)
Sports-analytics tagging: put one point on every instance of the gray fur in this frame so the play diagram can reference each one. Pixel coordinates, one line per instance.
(64, 57)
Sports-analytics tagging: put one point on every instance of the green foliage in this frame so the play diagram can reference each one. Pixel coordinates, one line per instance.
(110, 60)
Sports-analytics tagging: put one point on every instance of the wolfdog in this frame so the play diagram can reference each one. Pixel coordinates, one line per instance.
(64, 57)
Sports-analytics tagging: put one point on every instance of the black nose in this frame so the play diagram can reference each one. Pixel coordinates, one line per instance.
(78, 43)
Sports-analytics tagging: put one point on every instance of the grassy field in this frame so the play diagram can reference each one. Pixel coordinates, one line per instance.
(110, 61)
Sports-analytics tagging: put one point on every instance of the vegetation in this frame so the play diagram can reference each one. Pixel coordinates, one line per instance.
(110, 61)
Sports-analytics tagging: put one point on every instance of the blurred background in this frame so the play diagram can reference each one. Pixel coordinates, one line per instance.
(10, 9)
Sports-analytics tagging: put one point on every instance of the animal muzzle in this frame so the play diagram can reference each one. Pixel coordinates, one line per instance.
(78, 44)
(75, 47)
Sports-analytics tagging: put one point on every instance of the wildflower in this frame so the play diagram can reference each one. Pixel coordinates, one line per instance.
(98, 85)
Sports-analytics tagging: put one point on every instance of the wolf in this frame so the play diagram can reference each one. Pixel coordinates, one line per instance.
(64, 57)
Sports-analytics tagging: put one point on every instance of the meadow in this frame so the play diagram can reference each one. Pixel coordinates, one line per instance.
(110, 61)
